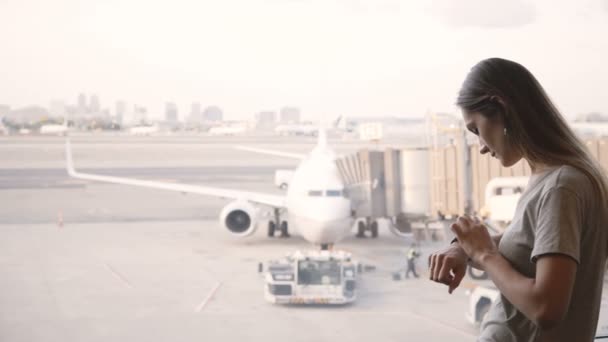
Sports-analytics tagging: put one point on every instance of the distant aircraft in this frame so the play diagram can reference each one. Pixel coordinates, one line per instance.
(316, 202)
(590, 129)
(53, 129)
(227, 130)
(144, 130)
(306, 129)
(297, 129)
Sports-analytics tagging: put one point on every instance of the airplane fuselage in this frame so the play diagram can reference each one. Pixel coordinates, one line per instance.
(317, 204)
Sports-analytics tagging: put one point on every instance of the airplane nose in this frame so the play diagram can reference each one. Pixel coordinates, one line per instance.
(321, 231)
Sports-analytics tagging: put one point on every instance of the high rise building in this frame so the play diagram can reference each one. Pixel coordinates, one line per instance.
(121, 111)
(265, 120)
(196, 115)
(171, 112)
(140, 115)
(289, 115)
(94, 106)
(81, 108)
(213, 113)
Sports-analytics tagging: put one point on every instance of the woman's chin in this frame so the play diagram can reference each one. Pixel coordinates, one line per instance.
(506, 163)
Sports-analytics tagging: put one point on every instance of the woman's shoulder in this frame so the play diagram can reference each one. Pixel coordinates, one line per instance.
(569, 178)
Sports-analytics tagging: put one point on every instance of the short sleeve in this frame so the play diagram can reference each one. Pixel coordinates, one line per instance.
(559, 225)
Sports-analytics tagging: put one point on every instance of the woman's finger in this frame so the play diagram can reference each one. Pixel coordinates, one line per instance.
(458, 275)
(438, 264)
(457, 230)
(444, 272)
(431, 266)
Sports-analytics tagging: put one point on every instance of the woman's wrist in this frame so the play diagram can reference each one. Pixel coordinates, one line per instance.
(455, 242)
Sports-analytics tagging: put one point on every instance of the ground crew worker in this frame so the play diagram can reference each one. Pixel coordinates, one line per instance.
(412, 254)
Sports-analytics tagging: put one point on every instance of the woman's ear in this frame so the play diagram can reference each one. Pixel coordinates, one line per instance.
(498, 99)
(500, 103)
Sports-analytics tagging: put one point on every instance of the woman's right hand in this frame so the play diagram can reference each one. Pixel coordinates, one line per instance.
(448, 266)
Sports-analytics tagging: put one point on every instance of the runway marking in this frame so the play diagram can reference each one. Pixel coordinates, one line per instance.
(118, 275)
(201, 306)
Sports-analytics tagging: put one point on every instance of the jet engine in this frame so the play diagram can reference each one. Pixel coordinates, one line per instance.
(240, 217)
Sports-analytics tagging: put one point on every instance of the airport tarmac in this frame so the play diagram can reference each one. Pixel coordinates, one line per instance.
(86, 261)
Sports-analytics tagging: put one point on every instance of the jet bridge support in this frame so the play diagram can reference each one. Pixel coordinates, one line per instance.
(390, 184)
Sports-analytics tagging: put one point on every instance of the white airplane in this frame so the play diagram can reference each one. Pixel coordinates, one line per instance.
(54, 129)
(144, 130)
(227, 130)
(307, 129)
(296, 129)
(316, 203)
(590, 129)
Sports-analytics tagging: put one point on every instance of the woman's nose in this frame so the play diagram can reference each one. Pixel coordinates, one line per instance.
(484, 149)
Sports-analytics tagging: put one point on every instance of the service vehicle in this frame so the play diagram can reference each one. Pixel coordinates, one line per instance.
(312, 277)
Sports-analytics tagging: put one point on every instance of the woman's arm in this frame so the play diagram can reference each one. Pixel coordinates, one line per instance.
(496, 239)
(544, 299)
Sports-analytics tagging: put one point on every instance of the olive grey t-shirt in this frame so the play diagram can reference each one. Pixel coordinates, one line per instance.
(558, 213)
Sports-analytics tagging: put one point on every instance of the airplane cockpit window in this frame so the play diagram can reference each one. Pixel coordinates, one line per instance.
(333, 193)
(315, 193)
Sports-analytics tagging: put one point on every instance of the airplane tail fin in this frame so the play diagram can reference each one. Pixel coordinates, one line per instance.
(336, 123)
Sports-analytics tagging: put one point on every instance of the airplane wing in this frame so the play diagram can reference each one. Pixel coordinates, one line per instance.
(272, 152)
(266, 199)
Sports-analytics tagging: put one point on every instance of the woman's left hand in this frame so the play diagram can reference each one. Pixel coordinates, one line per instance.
(474, 238)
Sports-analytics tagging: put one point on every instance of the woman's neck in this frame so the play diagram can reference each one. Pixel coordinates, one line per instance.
(538, 167)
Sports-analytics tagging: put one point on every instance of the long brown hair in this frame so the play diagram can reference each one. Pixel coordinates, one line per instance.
(498, 86)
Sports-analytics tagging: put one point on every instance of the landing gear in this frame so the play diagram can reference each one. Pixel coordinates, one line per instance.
(360, 229)
(271, 228)
(276, 224)
(367, 225)
(284, 230)
(373, 227)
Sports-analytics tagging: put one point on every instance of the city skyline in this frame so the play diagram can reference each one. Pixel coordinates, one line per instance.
(361, 58)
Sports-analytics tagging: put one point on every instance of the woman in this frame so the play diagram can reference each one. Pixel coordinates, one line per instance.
(549, 263)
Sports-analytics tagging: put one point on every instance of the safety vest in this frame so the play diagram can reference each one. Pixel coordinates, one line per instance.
(412, 254)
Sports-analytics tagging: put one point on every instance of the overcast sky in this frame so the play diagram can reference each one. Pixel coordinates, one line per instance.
(328, 57)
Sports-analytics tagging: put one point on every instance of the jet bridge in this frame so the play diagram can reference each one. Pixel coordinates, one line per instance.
(391, 184)
(429, 187)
